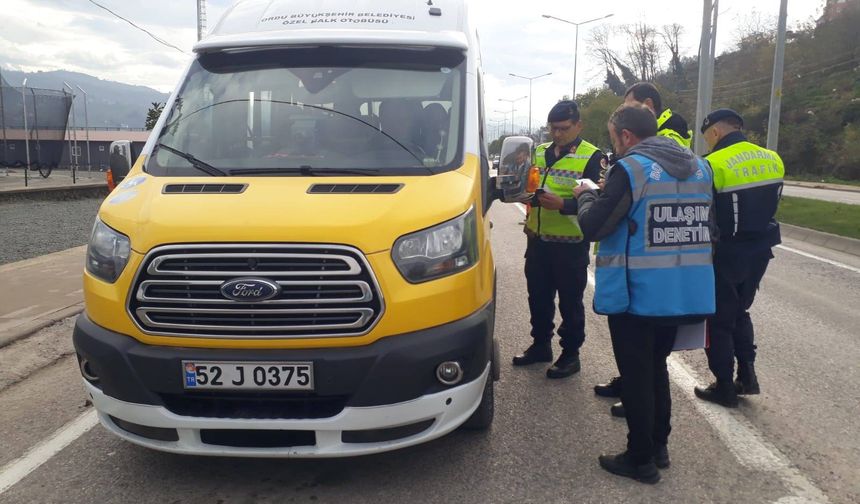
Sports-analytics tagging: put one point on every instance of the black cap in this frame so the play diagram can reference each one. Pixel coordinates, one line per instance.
(720, 115)
(564, 110)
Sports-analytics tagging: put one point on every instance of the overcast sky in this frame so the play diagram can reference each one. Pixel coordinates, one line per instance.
(76, 35)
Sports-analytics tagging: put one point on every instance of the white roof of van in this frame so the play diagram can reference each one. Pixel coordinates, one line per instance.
(252, 23)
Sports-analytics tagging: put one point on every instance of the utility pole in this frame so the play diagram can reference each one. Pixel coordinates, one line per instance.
(74, 131)
(706, 69)
(87, 126)
(513, 109)
(26, 132)
(776, 86)
(530, 79)
(3, 124)
(201, 18)
(505, 120)
(576, 44)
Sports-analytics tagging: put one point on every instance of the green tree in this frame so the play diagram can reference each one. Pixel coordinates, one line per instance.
(153, 114)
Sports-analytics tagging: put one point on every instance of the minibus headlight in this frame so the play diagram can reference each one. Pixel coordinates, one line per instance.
(439, 251)
(107, 253)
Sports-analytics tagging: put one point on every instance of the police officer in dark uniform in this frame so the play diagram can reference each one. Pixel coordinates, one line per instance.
(747, 188)
(556, 253)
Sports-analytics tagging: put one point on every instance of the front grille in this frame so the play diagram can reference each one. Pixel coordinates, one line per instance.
(324, 290)
(253, 405)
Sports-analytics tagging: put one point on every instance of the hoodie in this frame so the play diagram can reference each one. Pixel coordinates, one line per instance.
(679, 161)
(600, 214)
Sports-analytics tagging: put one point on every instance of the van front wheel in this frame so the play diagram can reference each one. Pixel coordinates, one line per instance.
(482, 418)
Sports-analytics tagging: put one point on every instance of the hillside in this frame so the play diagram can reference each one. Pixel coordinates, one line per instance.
(111, 104)
(820, 115)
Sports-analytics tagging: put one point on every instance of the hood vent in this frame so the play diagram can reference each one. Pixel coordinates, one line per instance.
(204, 188)
(354, 188)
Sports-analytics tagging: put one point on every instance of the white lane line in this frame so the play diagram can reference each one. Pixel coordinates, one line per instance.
(819, 258)
(749, 447)
(18, 469)
(745, 442)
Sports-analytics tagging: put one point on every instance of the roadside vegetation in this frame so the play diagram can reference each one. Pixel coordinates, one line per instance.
(820, 115)
(836, 218)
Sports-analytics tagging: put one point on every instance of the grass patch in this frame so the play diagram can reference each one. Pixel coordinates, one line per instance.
(826, 180)
(836, 218)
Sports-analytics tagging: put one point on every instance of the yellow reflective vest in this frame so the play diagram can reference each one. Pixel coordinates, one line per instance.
(670, 133)
(551, 225)
(748, 183)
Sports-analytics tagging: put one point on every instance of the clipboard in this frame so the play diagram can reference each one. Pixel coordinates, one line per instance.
(691, 337)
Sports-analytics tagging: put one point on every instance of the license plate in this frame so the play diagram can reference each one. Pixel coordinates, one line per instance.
(248, 375)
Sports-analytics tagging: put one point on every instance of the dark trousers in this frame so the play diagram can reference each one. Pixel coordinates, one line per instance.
(641, 348)
(557, 268)
(731, 329)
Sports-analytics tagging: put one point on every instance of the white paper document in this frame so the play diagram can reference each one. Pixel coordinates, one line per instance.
(691, 337)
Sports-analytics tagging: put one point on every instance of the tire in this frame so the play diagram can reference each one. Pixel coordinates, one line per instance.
(482, 418)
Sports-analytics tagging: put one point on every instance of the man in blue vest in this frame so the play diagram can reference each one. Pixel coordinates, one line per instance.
(669, 125)
(653, 273)
(556, 254)
(747, 187)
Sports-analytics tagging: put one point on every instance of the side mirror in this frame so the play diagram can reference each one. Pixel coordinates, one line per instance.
(120, 161)
(515, 168)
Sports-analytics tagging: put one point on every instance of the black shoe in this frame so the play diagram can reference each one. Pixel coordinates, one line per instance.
(622, 466)
(661, 456)
(566, 365)
(612, 388)
(719, 392)
(617, 410)
(537, 352)
(747, 382)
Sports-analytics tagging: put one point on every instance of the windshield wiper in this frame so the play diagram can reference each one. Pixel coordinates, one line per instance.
(197, 163)
(306, 171)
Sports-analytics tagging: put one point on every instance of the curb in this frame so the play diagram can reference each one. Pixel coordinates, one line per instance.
(28, 328)
(77, 191)
(822, 239)
(822, 185)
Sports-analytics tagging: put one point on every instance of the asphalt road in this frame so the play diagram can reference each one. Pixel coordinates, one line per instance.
(797, 442)
(852, 198)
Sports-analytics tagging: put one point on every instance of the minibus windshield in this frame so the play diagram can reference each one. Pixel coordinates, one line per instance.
(299, 111)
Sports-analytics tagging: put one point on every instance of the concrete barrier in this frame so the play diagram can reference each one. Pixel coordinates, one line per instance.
(827, 240)
(52, 193)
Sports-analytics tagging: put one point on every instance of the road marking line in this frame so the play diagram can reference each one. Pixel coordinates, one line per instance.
(819, 258)
(18, 469)
(742, 438)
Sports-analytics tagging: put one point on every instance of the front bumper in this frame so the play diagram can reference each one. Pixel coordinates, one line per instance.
(442, 412)
(367, 399)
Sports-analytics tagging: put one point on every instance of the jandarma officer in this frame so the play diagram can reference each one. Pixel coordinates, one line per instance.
(556, 254)
(669, 125)
(653, 273)
(747, 187)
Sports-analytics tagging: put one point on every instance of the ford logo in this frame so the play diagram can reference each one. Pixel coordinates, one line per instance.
(250, 290)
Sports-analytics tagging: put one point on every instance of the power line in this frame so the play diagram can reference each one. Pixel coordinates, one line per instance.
(144, 30)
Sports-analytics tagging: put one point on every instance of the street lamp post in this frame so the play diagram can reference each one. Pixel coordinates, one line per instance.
(26, 133)
(530, 79)
(513, 109)
(505, 120)
(87, 126)
(576, 44)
